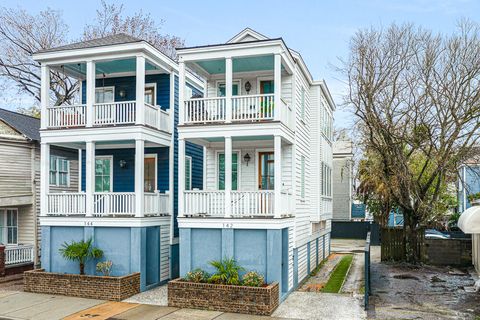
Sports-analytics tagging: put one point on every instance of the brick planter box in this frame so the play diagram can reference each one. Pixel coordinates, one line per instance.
(85, 286)
(239, 299)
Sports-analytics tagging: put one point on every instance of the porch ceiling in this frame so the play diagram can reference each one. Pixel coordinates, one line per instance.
(222, 139)
(108, 67)
(258, 63)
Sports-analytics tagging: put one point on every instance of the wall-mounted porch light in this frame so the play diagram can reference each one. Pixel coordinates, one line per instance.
(248, 87)
(123, 164)
(122, 93)
(246, 158)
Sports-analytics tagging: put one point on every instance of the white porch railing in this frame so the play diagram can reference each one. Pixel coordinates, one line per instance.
(19, 254)
(253, 203)
(157, 203)
(157, 118)
(66, 116)
(203, 110)
(199, 202)
(65, 203)
(114, 203)
(253, 107)
(114, 113)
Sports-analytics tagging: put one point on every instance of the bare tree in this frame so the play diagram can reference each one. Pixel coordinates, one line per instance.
(111, 20)
(416, 98)
(22, 34)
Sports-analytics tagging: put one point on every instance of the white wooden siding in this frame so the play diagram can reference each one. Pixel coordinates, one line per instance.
(302, 263)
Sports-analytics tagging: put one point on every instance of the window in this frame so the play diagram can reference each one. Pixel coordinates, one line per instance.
(103, 174)
(188, 173)
(221, 171)
(150, 173)
(302, 177)
(221, 89)
(104, 94)
(9, 226)
(326, 180)
(188, 92)
(59, 171)
(302, 109)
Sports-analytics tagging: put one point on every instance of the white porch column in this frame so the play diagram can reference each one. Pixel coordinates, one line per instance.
(228, 176)
(277, 86)
(44, 177)
(278, 176)
(89, 176)
(44, 95)
(181, 93)
(181, 177)
(140, 91)
(90, 83)
(228, 89)
(139, 177)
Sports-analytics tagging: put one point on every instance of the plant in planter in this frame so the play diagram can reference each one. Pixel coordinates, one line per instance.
(227, 272)
(81, 252)
(253, 279)
(197, 276)
(105, 267)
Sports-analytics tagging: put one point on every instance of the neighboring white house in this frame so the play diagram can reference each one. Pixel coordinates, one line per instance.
(266, 130)
(343, 180)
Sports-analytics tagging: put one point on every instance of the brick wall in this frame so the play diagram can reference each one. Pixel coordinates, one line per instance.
(238, 299)
(453, 252)
(18, 268)
(85, 286)
(2, 260)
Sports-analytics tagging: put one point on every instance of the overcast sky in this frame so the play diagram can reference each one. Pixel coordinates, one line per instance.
(319, 30)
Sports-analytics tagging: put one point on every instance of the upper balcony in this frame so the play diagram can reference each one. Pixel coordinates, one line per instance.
(244, 84)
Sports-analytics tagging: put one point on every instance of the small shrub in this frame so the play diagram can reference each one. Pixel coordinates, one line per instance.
(227, 272)
(253, 279)
(105, 267)
(197, 275)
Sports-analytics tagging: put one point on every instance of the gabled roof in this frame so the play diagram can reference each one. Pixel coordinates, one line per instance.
(247, 34)
(119, 38)
(26, 125)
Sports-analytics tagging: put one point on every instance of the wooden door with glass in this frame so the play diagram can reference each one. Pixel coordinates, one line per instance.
(266, 176)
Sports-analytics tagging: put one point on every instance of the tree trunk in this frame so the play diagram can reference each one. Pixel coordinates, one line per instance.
(82, 268)
(410, 236)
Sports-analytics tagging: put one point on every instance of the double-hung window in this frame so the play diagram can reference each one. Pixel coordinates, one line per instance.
(59, 171)
(9, 226)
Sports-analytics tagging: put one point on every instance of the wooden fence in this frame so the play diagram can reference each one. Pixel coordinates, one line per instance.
(393, 244)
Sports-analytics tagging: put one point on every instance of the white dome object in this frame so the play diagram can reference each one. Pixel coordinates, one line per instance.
(469, 221)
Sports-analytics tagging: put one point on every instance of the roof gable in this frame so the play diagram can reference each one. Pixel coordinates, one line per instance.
(246, 35)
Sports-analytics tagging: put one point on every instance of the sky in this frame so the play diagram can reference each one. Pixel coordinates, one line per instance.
(319, 30)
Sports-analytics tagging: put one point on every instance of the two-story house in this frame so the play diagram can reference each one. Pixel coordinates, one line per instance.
(266, 130)
(123, 133)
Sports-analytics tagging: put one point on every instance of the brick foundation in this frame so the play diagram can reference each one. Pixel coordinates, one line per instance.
(238, 299)
(18, 268)
(2, 260)
(85, 286)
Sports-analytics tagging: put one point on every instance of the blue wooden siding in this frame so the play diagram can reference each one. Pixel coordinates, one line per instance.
(129, 85)
(124, 178)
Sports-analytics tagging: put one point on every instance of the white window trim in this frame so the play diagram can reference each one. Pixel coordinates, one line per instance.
(239, 168)
(154, 86)
(155, 156)
(57, 172)
(234, 81)
(111, 170)
(190, 172)
(103, 89)
(3, 212)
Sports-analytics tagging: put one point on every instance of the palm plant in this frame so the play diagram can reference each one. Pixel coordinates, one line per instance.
(227, 271)
(80, 251)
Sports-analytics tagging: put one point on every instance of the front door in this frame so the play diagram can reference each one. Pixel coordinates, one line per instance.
(150, 169)
(103, 174)
(266, 86)
(266, 171)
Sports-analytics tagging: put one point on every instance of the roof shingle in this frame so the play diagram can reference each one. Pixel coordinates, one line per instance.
(26, 125)
(118, 38)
